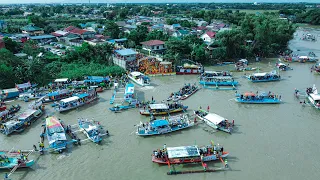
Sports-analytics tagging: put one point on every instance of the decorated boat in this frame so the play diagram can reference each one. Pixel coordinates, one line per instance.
(23, 120)
(283, 67)
(57, 95)
(264, 77)
(76, 101)
(189, 67)
(91, 129)
(313, 96)
(162, 109)
(10, 160)
(56, 135)
(139, 78)
(218, 81)
(165, 125)
(215, 121)
(259, 98)
(188, 154)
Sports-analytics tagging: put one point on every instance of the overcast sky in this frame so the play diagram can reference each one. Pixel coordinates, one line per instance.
(148, 1)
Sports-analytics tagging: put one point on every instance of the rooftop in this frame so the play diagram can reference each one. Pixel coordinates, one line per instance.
(42, 37)
(183, 152)
(152, 42)
(125, 52)
(31, 27)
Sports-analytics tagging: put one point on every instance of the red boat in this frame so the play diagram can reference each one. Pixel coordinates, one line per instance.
(189, 69)
(188, 154)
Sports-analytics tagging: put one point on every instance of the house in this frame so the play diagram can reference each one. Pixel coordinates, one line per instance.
(180, 33)
(157, 27)
(32, 30)
(72, 40)
(208, 36)
(43, 38)
(59, 34)
(126, 54)
(3, 24)
(118, 42)
(84, 34)
(175, 26)
(153, 45)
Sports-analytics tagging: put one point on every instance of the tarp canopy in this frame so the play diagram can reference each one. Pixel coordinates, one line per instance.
(159, 123)
(61, 80)
(315, 97)
(73, 98)
(183, 152)
(214, 118)
(53, 125)
(259, 74)
(82, 95)
(136, 73)
(158, 106)
(129, 89)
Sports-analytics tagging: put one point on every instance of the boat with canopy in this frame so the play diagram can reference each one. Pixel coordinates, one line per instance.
(314, 97)
(162, 109)
(56, 135)
(258, 98)
(91, 129)
(14, 161)
(215, 121)
(57, 95)
(264, 77)
(139, 78)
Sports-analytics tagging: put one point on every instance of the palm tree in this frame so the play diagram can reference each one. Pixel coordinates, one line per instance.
(176, 56)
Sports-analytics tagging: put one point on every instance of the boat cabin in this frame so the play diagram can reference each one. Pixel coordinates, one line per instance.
(139, 78)
(60, 82)
(183, 153)
(55, 134)
(71, 101)
(315, 99)
(209, 74)
(129, 91)
(158, 107)
(264, 76)
(56, 95)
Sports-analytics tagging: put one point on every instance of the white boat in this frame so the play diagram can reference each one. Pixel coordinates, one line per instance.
(139, 78)
(314, 97)
(91, 130)
(215, 121)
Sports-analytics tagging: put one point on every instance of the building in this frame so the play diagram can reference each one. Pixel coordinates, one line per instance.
(83, 34)
(153, 45)
(126, 54)
(208, 36)
(175, 26)
(43, 38)
(32, 30)
(180, 33)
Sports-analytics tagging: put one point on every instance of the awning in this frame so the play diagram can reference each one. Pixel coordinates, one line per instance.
(73, 98)
(214, 118)
(160, 122)
(158, 106)
(183, 152)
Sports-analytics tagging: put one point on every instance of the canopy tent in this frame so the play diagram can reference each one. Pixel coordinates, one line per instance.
(214, 118)
(158, 106)
(159, 123)
(61, 80)
(73, 98)
(183, 152)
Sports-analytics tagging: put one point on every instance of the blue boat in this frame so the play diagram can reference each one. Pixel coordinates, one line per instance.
(10, 160)
(56, 95)
(9, 93)
(264, 77)
(56, 134)
(164, 126)
(262, 98)
(118, 107)
(18, 125)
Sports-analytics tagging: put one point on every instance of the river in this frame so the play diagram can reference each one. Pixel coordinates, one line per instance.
(269, 142)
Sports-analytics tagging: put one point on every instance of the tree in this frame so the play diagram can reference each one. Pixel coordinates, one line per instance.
(11, 45)
(112, 30)
(37, 20)
(157, 35)
(48, 29)
(30, 47)
(7, 77)
(138, 35)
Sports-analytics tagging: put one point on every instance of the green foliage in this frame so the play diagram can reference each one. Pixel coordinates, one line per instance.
(7, 78)
(157, 35)
(112, 30)
(37, 20)
(11, 45)
(138, 35)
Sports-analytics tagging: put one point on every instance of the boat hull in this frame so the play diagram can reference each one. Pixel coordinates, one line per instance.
(206, 158)
(264, 80)
(14, 162)
(213, 125)
(152, 133)
(263, 101)
(147, 113)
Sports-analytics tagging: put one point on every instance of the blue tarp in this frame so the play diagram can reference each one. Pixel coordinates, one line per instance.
(83, 95)
(53, 94)
(158, 123)
(96, 79)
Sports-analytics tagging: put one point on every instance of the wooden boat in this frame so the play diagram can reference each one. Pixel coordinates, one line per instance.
(76, 101)
(10, 160)
(91, 130)
(164, 126)
(264, 77)
(262, 98)
(186, 91)
(188, 154)
(313, 97)
(57, 95)
(18, 125)
(215, 121)
(29, 96)
(163, 109)
(193, 90)
(139, 78)
(56, 135)
(14, 108)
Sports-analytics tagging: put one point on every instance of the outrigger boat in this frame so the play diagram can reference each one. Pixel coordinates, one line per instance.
(6, 114)
(139, 78)
(283, 67)
(56, 95)
(164, 126)
(188, 154)
(76, 101)
(14, 161)
(215, 121)
(185, 92)
(18, 125)
(163, 109)
(91, 129)
(313, 96)
(262, 98)
(264, 77)
(56, 135)
(119, 107)
(208, 82)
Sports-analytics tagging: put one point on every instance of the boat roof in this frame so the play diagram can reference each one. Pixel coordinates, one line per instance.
(213, 72)
(160, 122)
(183, 151)
(57, 137)
(27, 114)
(73, 98)
(24, 85)
(259, 74)
(61, 80)
(54, 124)
(243, 60)
(214, 118)
(135, 73)
(158, 106)
(282, 64)
(315, 97)
(220, 77)
(55, 93)
(129, 89)
(82, 95)
(303, 57)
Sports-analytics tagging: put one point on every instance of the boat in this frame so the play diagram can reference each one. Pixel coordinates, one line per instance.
(57, 95)
(91, 130)
(23, 120)
(163, 109)
(209, 74)
(193, 90)
(139, 78)
(188, 154)
(189, 68)
(76, 101)
(9, 93)
(14, 108)
(215, 121)
(264, 77)
(184, 92)
(316, 68)
(313, 96)
(283, 67)
(56, 135)
(12, 160)
(218, 81)
(261, 98)
(29, 96)
(164, 126)
(119, 107)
